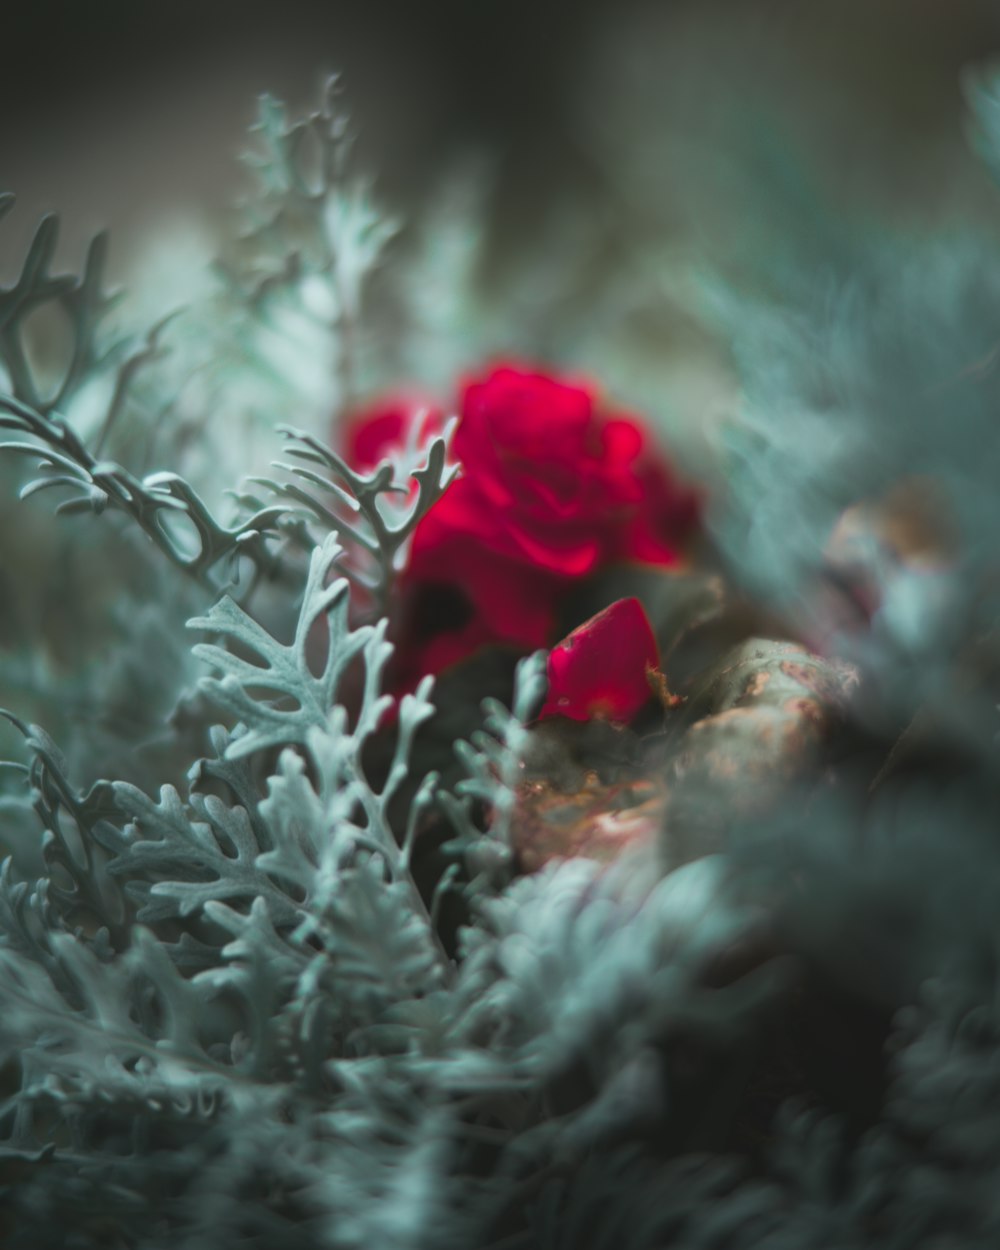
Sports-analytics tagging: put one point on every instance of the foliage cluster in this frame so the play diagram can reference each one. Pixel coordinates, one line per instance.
(234, 1009)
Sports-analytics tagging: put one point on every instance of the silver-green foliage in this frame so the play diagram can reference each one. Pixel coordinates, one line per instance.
(491, 763)
(230, 1018)
(230, 1009)
(376, 512)
(163, 505)
(258, 935)
(309, 243)
(310, 226)
(85, 303)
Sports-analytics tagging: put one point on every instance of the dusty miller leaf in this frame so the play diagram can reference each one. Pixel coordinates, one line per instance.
(301, 699)
(375, 513)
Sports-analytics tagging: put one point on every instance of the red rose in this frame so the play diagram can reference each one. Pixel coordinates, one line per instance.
(553, 488)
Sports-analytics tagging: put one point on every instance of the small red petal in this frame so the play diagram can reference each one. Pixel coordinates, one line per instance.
(621, 440)
(600, 669)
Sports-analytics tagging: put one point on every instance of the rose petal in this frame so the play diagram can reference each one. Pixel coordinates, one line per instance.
(600, 670)
(520, 413)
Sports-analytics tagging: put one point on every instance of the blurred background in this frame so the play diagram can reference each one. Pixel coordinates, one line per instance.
(765, 207)
(122, 113)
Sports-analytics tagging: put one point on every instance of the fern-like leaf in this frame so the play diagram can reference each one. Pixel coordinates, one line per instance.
(374, 513)
(299, 698)
(312, 224)
(163, 505)
(492, 761)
